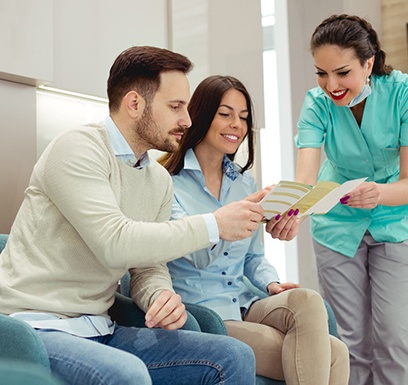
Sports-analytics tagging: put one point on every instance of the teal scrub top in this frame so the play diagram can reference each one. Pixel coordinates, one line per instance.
(371, 150)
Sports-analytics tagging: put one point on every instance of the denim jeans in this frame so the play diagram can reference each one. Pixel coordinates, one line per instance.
(145, 356)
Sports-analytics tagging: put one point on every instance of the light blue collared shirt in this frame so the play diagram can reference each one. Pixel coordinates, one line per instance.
(213, 277)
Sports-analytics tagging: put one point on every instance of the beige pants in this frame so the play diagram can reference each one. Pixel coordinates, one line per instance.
(289, 335)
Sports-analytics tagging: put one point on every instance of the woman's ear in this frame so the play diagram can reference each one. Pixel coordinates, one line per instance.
(370, 65)
(134, 104)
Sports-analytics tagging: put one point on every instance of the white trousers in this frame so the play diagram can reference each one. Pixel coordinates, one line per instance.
(369, 296)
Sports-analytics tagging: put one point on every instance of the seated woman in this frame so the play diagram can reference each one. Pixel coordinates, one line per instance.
(287, 330)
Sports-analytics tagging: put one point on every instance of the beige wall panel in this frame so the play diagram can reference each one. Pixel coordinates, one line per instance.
(26, 41)
(17, 147)
(394, 40)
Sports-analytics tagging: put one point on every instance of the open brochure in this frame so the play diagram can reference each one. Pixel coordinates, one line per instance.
(307, 199)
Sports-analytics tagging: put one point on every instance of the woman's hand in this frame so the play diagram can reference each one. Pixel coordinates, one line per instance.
(284, 228)
(365, 196)
(276, 288)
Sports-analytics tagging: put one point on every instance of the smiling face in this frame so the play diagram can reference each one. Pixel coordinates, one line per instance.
(340, 73)
(229, 126)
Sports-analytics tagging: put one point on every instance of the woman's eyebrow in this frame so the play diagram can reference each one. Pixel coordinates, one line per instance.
(230, 108)
(335, 70)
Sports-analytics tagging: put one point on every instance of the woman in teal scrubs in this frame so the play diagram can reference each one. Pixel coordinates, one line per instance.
(359, 113)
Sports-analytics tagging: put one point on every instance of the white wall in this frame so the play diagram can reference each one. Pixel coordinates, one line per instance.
(90, 34)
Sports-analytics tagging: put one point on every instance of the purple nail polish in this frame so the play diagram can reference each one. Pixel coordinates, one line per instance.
(277, 217)
(344, 200)
(296, 212)
(291, 211)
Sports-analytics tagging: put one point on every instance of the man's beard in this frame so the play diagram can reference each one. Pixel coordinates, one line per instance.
(148, 130)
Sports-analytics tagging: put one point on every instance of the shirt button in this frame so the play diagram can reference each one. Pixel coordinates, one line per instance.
(230, 283)
(223, 273)
(234, 300)
(225, 253)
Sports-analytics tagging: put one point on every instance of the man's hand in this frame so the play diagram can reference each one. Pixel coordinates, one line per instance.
(237, 220)
(276, 288)
(258, 195)
(167, 312)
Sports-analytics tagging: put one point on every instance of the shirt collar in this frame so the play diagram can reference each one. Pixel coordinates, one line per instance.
(230, 169)
(121, 147)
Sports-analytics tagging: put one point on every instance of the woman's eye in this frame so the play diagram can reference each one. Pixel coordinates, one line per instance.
(244, 118)
(321, 74)
(224, 114)
(343, 74)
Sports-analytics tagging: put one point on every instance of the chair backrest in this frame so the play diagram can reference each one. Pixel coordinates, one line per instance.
(3, 241)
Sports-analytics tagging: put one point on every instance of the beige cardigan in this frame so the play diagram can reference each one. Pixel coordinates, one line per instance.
(85, 220)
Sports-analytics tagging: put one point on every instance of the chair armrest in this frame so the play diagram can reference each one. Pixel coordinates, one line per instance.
(126, 313)
(19, 341)
(208, 319)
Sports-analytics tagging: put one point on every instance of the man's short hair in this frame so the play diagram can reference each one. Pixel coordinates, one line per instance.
(139, 68)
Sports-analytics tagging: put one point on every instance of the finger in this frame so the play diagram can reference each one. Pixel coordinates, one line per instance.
(281, 224)
(288, 231)
(173, 305)
(257, 209)
(156, 312)
(174, 323)
(270, 225)
(156, 306)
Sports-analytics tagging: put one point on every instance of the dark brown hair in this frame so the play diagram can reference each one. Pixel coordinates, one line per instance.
(353, 32)
(202, 108)
(140, 68)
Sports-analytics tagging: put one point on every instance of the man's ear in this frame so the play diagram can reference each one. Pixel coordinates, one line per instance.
(134, 104)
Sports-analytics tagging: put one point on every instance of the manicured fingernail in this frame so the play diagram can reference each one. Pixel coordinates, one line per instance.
(277, 217)
(344, 200)
(296, 212)
(291, 211)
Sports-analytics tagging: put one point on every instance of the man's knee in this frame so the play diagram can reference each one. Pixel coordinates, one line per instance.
(240, 351)
(128, 372)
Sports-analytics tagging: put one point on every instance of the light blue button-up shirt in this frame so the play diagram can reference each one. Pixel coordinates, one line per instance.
(371, 150)
(213, 277)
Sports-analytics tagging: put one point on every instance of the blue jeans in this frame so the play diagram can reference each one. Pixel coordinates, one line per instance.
(145, 356)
